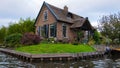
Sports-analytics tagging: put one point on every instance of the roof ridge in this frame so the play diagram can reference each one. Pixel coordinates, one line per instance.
(54, 6)
(63, 10)
(51, 10)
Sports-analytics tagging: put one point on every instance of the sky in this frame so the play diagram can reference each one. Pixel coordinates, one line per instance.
(13, 10)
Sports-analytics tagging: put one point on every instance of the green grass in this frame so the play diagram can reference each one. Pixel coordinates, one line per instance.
(55, 48)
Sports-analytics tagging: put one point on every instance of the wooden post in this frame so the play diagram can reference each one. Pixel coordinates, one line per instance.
(51, 59)
(31, 59)
(41, 59)
(82, 55)
(60, 58)
(68, 58)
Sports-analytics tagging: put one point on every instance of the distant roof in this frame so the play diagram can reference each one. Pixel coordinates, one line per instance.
(62, 15)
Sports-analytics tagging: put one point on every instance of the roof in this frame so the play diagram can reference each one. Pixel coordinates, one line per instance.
(78, 23)
(61, 15)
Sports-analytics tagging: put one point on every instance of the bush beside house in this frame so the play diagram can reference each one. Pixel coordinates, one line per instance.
(30, 39)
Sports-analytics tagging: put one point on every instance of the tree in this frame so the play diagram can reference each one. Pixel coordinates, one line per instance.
(96, 37)
(12, 40)
(2, 33)
(110, 27)
(22, 26)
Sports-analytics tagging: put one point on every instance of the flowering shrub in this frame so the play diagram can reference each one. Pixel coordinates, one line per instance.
(30, 39)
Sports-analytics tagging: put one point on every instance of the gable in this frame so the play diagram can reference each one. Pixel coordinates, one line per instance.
(87, 25)
(40, 17)
(60, 15)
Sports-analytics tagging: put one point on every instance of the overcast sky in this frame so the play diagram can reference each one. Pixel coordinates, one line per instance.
(13, 10)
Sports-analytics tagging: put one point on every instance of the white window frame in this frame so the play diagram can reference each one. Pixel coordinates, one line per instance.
(46, 11)
(50, 31)
(64, 24)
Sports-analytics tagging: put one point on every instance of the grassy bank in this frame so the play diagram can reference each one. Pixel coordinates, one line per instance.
(55, 48)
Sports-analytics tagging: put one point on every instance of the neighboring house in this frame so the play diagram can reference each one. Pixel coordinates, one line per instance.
(53, 22)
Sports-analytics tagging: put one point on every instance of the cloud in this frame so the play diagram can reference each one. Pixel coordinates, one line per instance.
(5, 22)
(94, 9)
(19, 8)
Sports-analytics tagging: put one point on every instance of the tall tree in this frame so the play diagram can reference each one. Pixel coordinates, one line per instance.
(110, 27)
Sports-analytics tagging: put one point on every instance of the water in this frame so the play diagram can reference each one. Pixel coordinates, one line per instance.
(7, 61)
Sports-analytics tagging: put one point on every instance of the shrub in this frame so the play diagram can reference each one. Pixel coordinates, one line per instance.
(51, 40)
(13, 40)
(96, 37)
(75, 43)
(2, 34)
(91, 42)
(30, 38)
(65, 40)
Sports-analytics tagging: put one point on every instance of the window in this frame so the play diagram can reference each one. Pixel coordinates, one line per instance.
(53, 30)
(39, 30)
(45, 15)
(64, 28)
(46, 30)
(86, 34)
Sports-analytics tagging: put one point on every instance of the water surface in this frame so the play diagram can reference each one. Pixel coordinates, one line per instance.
(7, 61)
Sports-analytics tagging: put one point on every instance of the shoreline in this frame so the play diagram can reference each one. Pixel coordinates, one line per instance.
(52, 57)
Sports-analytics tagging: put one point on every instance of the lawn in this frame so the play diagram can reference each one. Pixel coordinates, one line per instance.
(55, 48)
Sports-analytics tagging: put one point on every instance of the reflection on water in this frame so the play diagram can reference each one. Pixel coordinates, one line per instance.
(11, 62)
(98, 63)
(7, 61)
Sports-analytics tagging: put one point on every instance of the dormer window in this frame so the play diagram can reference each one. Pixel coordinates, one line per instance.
(69, 16)
(45, 15)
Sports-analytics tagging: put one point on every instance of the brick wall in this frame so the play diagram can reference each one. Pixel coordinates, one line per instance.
(40, 22)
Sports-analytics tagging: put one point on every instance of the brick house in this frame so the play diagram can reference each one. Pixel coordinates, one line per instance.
(53, 22)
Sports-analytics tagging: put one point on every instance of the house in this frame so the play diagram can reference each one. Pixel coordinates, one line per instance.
(54, 22)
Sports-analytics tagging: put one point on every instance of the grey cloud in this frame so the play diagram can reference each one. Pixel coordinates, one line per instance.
(14, 9)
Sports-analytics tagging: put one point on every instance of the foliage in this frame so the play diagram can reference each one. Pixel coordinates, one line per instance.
(51, 40)
(55, 48)
(65, 40)
(110, 27)
(75, 43)
(96, 37)
(91, 41)
(2, 34)
(22, 26)
(105, 40)
(30, 38)
(80, 35)
(13, 40)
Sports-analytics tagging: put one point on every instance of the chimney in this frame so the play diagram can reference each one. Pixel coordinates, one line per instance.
(65, 8)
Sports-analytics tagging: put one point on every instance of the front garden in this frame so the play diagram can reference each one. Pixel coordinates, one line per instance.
(55, 48)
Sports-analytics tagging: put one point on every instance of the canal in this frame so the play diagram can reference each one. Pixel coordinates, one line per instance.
(7, 61)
